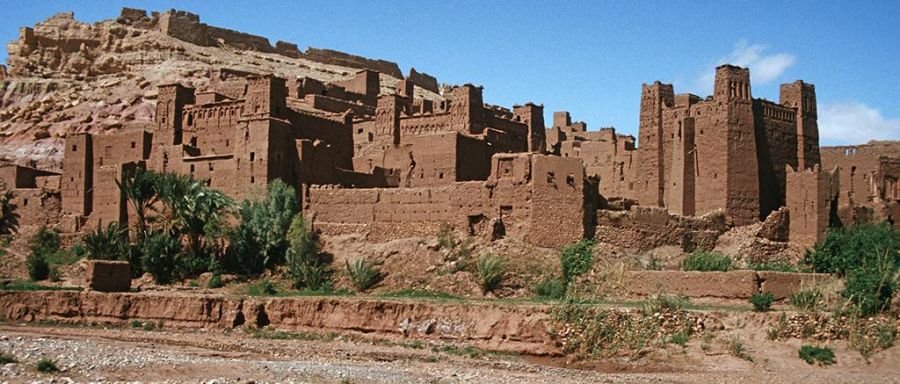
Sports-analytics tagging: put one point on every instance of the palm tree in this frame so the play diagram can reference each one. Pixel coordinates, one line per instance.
(140, 189)
(193, 209)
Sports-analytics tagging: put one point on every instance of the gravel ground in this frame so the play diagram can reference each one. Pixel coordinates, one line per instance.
(87, 354)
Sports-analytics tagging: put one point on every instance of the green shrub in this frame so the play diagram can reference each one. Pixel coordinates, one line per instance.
(263, 287)
(159, 253)
(7, 358)
(38, 267)
(812, 354)
(490, 272)
(706, 261)
(9, 220)
(260, 240)
(806, 300)
(215, 281)
(363, 274)
(42, 245)
(552, 287)
(762, 302)
(44, 241)
(576, 259)
(46, 365)
(107, 243)
(136, 323)
(306, 267)
(867, 256)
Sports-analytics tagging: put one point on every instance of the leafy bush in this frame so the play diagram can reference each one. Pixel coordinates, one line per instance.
(306, 268)
(38, 266)
(490, 272)
(867, 256)
(107, 243)
(259, 241)
(806, 299)
(363, 274)
(263, 287)
(215, 281)
(9, 220)
(706, 261)
(46, 365)
(159, 254)
(552, 287)
(576, 259)
(762, 302)
(811, 354)
(45, 241)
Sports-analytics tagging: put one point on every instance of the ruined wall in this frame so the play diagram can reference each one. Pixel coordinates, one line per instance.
(423, 80)
(329, 56)
(547, 209)
(865, 171)
(645, 228)
(811, 194)
(35, 207)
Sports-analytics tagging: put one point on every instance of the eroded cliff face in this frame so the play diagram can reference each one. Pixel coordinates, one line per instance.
(65, 76)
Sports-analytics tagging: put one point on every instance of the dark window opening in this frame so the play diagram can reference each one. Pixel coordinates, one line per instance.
(193, 141)
(551, 177)
(252, 156)
(192, 168)
(24, 202)
(132, 145)
(74, 148)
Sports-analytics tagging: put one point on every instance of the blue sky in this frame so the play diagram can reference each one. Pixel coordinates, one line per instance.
(590, 57)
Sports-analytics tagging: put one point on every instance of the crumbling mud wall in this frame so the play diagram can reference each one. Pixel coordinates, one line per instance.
(519, 328)
(645, 228)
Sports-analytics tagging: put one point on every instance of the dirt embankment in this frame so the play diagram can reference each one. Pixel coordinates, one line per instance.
(497, 327)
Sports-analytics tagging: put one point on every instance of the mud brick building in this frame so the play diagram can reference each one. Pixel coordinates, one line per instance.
(372, 152)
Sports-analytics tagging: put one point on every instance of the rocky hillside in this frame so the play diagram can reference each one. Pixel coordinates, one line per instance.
(67, 76)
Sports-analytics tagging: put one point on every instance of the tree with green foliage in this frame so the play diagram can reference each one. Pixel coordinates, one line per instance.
(43, 244)
(9, 220)
(577, 259)
(141, 191)
(866, 255)
(259, 241)
(197, 213)
(160, 251)
(107, 243)
(307, 269)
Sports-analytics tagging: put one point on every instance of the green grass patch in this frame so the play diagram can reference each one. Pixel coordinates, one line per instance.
(419, 294)
(762, 302)
(24, 285)
(814, 354)
(706, 261)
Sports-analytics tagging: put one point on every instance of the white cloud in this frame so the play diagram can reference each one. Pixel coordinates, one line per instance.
(847, 123)
(763, 68)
